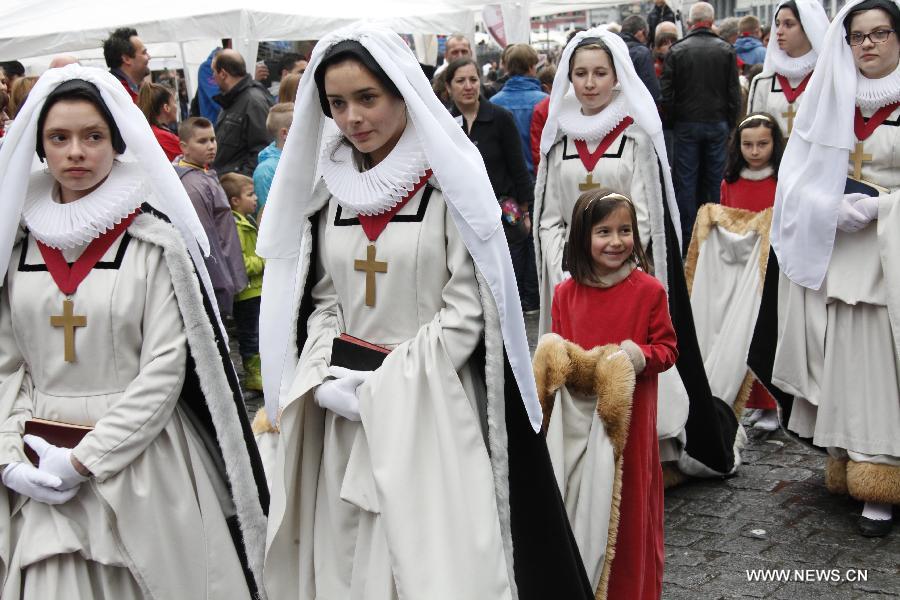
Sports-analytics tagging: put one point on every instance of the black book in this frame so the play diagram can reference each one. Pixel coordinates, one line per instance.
(353, 353)
(854, 186)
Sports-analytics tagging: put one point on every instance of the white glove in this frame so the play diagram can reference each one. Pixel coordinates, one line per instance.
(868, 207)
(23, 478)
(55, 461)
(339, 395)
(856, 211)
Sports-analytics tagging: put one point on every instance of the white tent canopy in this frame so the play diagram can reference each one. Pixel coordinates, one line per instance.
(39, 27)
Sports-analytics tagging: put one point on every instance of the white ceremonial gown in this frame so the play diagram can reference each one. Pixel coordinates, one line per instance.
(836, 350)
(402, 503)
(151, 522)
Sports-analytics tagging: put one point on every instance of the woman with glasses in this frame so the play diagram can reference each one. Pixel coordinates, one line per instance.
(835, 231)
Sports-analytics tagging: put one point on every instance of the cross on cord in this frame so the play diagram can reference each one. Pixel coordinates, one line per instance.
(588, 183)
(370, 266)
(859, 157)
(68, 321)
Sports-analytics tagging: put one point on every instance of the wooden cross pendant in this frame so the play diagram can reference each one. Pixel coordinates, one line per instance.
(370, 266)
(588, 183)
(859, 157)
(789, 114)
(68, 321)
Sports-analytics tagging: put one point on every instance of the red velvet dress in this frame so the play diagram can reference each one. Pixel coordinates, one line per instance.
(756, 196)
(635, 309)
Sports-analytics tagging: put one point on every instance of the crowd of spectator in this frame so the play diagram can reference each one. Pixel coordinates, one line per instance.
(696, 71)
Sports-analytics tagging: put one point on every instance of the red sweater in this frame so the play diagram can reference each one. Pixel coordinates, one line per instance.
(168, 141)
(755, 195)
(748, 194)
(635, 309)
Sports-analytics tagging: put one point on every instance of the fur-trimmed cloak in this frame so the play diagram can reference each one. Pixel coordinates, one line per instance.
(725, 269)
(209, 414)
(568, 380)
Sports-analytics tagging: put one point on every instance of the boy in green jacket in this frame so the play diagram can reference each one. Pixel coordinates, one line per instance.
(239, 189)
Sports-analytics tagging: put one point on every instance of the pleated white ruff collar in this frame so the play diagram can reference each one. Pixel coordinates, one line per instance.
(872, 94)
(65, 226)
(793, 68)
(380, 188)
(594, 127)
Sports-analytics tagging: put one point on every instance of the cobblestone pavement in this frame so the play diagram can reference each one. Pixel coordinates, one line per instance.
(774, 514)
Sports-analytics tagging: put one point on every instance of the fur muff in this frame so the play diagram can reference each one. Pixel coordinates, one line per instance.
(836, 475)
(607, 373)
(871, 482)
(604, 372)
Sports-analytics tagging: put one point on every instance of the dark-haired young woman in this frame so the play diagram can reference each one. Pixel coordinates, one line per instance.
(798, 31)
(145, 482)
(424, 476)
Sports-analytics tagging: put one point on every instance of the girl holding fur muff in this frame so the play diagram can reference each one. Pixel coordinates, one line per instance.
(611, 299)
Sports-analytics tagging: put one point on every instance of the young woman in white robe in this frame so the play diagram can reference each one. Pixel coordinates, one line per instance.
(836, 243)
(425, 477)
(798, 29)
(603, 130)
(165, 496)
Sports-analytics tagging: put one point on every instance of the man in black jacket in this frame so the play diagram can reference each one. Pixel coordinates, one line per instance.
(634, 32)
(241, 127)
(659, 13)
(701, 99)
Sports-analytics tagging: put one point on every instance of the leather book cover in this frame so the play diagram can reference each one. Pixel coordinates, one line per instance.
(353, 353)
(64, 435)
(854, 186)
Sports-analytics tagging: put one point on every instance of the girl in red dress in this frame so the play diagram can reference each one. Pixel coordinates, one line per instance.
(751, 173)
(610, 298)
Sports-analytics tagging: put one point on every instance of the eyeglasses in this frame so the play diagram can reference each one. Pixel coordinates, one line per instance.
(876, 37)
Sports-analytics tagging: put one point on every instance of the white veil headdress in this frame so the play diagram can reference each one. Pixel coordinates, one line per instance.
(813, 170)
(458, 167)
(17, 159)
(814, 22)
(640, 107)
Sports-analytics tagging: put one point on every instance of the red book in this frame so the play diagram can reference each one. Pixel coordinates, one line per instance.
(353, 353)
(64, 435)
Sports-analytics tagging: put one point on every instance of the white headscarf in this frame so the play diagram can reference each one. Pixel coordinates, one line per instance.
(458, 167)
(640, 105)
(813, 171)
(17, 160)
(814, 22)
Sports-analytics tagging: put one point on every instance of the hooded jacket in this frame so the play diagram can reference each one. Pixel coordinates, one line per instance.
(750, 50)
(225, 262)
(265, 173)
